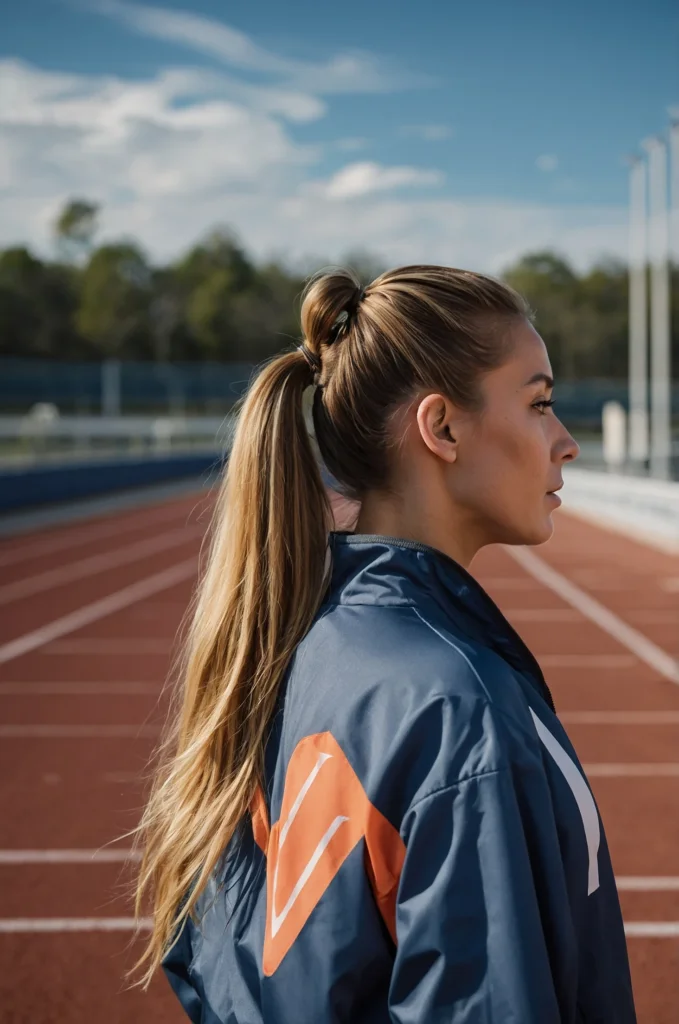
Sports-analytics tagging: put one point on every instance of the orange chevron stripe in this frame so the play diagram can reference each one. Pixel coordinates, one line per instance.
(260, 819)
(325, 813)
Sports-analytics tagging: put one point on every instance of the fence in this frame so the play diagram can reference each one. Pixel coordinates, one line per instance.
(113, 388)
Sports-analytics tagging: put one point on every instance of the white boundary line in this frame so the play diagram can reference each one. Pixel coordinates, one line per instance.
(98, 610)
(120, 855)
(21, 925)
(61, 575)
(652, 929)
(647, 883)
(632, 769)
(596, 612)
(106, 856)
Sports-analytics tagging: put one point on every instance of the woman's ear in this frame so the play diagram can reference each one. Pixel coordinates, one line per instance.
(437, 420)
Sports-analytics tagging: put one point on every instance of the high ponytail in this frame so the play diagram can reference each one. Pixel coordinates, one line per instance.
(261, 589)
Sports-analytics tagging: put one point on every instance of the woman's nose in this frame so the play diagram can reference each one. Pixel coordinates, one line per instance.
(570, 449)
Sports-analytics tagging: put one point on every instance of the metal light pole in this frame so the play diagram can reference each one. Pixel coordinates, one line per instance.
(661, 393)
(674, 190)
(638, 313)
(674, 228)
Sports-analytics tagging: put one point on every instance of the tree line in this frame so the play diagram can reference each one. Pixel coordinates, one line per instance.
(216, 303)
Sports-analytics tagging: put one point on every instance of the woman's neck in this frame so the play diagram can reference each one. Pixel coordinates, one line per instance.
(429, 522)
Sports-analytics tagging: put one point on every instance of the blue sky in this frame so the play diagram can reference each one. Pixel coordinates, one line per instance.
(440, 131)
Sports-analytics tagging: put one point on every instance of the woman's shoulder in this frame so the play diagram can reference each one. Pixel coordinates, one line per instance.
(396, 686)
(407, 650)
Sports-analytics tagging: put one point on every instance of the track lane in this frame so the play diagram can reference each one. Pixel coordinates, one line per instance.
(57, 545)
(80, 798)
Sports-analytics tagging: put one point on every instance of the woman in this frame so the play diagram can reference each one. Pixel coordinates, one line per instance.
(369, 811)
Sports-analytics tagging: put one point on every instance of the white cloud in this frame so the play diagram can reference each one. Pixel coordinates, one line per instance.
(353, 72)
(362, 179)
(153, 138)
(428, 132)
(547, 162)
(171, 156)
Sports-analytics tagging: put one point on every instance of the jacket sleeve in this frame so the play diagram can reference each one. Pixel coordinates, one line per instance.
(176, 967)
(470, 943)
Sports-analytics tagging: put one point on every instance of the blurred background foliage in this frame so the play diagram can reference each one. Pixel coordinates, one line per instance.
(216, 304)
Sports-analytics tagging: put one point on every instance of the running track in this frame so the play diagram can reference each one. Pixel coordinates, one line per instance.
(88, 616)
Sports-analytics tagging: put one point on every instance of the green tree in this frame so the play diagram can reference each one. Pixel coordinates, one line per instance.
(266, 315)
(75, 228)
(37, 305)
(210, 315)
(208, 282)
(115, 297)
(552, 290)
(220, 250)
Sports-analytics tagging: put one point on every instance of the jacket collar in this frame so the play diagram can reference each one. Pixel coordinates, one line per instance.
(375, 570)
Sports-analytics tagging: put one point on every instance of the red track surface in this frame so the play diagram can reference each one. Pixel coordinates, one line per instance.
(70, 785)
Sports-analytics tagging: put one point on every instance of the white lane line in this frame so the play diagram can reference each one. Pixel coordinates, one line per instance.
(77, 732)
(63, 574)
(119, 855)
(647, 883)
(620, 717)
(599, 661)
(596, 612)
(114, 856)
(652, 929)
(98, 610)
(81, 535)
(21, 925)
(24, 925)
(31, 689)
(632, 769)
(108, 646)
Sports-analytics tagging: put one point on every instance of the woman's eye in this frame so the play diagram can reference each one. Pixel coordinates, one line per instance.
(544, 404)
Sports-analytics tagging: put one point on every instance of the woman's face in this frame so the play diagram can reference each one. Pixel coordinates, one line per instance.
(510, 454)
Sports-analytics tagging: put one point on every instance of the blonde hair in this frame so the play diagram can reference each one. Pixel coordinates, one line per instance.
(414, 327)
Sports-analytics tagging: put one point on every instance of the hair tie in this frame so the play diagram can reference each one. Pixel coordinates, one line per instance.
(313, 360)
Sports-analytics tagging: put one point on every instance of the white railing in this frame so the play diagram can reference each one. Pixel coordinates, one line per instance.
(638, 506)
(44, 436)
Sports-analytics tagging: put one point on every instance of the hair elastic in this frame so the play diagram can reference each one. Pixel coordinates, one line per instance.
(313, 361)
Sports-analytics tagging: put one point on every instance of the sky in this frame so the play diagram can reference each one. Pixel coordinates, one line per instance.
(437, 131)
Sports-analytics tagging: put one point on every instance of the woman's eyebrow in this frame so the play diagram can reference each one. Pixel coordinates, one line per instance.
(538, 378)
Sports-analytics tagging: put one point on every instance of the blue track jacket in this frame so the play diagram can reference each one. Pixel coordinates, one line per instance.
(426, 848)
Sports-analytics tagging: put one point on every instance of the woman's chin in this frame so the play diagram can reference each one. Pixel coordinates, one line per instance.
(536, 533)
(542, 533)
